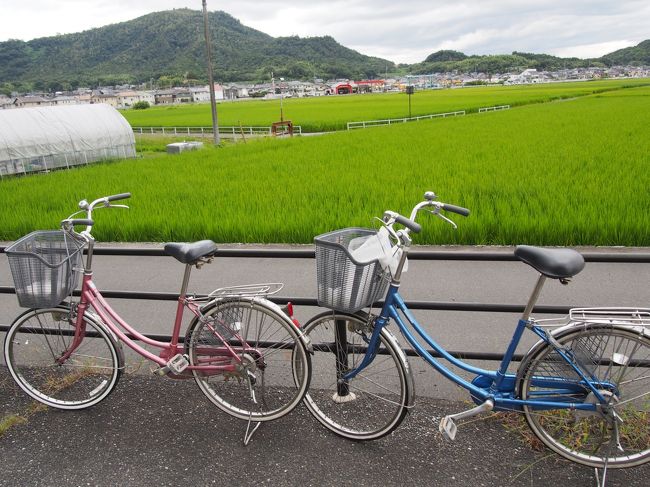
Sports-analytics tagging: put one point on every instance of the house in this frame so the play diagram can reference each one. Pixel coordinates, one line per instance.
(182, 95)
(31, 101)
(164, 97)
(106, 98)
(64, 100)
(235, 91)
(201, 94)
(127, 98)
(5, 102)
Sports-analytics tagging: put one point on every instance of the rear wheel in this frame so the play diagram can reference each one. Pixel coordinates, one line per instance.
(373, 403)
(618, 359)
(35, 346)
(261, 368)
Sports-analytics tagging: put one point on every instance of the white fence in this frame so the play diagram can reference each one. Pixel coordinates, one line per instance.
(207, 131)
(494, 109)
(390, 121)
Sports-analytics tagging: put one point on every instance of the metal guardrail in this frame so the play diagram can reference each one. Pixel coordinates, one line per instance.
(207, 131)
(602, 257)
(390, 121)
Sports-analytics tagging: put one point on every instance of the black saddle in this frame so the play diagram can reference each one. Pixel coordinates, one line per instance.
(554, 263)
(190, 253)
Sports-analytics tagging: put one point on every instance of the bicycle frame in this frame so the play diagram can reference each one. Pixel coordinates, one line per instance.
(92, 298)
(500, 385)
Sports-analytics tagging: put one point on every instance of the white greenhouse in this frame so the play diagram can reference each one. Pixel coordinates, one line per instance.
(45, 138)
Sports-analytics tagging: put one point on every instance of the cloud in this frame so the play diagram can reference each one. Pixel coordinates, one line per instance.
(405, 31)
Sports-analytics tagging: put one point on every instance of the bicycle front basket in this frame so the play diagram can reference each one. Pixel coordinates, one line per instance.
(344, 283)
(45, 266)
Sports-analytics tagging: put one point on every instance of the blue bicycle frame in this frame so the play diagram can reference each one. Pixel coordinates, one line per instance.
(496, 385)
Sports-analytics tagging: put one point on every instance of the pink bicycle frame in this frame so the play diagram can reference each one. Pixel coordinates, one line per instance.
(91, 297)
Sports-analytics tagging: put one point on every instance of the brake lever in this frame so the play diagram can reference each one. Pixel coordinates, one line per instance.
(447, 220)
(388, 226)
(437, 213)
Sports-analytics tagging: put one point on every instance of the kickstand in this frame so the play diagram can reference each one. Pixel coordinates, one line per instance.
(250, 432)
(600, 483)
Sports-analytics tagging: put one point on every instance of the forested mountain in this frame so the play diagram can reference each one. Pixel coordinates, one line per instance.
(445, 61)
(637, 55)
(170, 46)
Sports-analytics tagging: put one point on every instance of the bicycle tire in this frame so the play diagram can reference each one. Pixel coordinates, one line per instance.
(39, 337)
(275, 358)
(616, 356)
(381, 394)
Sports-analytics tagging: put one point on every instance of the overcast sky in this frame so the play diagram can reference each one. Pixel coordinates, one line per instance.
(403, 31)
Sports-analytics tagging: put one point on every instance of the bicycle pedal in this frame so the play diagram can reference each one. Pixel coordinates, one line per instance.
(448, 428)
(177, 364)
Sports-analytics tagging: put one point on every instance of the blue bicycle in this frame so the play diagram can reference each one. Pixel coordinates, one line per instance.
(584, 387)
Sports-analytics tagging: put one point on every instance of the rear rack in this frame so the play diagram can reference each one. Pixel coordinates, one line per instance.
(629, 316)
(249, 290)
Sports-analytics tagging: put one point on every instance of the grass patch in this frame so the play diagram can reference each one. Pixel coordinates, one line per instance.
(9, 421)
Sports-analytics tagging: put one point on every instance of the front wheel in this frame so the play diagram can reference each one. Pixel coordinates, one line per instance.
(617, 359)
(374, 402)
(46, 363)
(256, 365)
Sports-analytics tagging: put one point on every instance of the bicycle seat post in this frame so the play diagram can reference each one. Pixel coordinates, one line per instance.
(186, 280)
(534, 297)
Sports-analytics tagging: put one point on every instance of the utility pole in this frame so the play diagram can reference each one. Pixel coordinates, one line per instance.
(213, 101)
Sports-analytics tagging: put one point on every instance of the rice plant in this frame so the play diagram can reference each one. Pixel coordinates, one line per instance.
(573, 173)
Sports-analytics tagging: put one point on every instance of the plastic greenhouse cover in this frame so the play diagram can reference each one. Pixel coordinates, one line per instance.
(33, 132)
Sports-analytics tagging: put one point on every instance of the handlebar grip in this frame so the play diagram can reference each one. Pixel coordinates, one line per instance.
(455, 209)
(121, 196)
(81, 221)
(410, 224)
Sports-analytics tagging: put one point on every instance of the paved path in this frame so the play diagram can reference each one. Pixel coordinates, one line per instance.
(160, 432)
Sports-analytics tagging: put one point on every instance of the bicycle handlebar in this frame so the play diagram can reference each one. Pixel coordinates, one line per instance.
(410, 224)
(391, 217)
(80, 221)
(455, 209)
(88, 208)
(121, 196)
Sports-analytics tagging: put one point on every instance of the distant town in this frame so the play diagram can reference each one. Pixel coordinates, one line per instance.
(126, 96)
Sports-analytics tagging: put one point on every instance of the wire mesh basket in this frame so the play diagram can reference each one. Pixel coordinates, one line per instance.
(344, 283)
(45, 266)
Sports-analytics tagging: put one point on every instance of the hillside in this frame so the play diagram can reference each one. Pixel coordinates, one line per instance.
(636, 55)
(445, 61)
(170, 46)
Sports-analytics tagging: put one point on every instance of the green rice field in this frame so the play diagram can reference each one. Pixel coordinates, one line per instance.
(333, 112)
(569, 173)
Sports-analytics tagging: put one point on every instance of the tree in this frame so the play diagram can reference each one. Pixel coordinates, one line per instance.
(141, 105)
